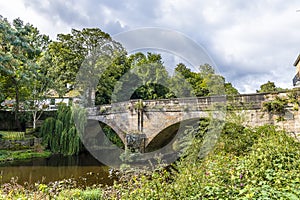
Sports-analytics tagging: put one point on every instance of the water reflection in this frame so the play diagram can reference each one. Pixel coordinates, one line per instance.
(84, 168)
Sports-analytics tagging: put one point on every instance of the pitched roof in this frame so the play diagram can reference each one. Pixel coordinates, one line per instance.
(297, 60)
(54, 94)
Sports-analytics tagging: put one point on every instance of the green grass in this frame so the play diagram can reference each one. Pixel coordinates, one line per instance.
(6, 155)
(12, 135)
(91, 194)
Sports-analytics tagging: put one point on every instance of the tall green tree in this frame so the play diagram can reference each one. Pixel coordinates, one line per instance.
(179, 83)
(230, 90)
(152, 74)
(269, 87)
(203, 83)
(19, 51)
(195, 79)
(39, 83)
(118, 65)
(212, 83)
(60, 134)
(91, 52)
(38, 91)
(147, 78)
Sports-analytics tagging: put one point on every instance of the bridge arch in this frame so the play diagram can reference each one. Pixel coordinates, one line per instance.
(108, 120)
(169, 121)
(169, 135)
(95, 134)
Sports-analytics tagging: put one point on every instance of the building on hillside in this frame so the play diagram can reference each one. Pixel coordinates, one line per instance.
(54, 100)
(49, 103)
(296, 79)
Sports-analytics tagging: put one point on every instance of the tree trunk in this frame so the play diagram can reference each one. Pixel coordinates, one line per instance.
(34, 119)
(17, 107)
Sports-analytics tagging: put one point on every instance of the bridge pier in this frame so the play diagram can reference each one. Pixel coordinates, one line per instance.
(135, 142)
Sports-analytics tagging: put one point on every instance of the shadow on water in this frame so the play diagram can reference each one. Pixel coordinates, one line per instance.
(84, 169)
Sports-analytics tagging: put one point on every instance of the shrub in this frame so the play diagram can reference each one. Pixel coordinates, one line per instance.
(60, 134)
(11, 135)
(275, 106)
(259, 163)
(91, 194)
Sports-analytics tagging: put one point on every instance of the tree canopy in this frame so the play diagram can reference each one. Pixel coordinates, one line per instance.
(21, 48)
(28, 55)
(32, 67)
(269, 87)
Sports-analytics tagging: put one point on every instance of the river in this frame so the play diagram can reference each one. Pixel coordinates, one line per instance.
(84, 169)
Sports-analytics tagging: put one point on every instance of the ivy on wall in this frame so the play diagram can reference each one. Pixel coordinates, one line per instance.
(275, 106)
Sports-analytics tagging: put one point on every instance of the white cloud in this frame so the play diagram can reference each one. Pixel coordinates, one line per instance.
(251, 41)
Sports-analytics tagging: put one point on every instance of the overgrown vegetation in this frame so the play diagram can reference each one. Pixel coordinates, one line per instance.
(6, 155)
(60, 134)
(112, 136)
(276, 106)
(247, 163)
(293, 98)
(61, 190)
(259, 163)
(12, 135)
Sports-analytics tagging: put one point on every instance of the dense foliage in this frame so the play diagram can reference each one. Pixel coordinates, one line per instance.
(30, 59)
(60, 134)
(247, 163)
(276, 106)
(148, 78)
(259, 163)
(32, 68)
(21, 48)
(92, 52)
(269, 87)
(112, 136)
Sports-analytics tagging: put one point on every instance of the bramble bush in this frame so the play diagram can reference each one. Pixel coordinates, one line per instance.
(247, 163)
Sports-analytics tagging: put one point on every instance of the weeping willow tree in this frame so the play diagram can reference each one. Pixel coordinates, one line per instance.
(60, 134)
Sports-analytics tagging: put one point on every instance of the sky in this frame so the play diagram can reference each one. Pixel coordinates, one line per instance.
(250, 42)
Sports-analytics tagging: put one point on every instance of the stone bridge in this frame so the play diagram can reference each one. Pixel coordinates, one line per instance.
(158, 120)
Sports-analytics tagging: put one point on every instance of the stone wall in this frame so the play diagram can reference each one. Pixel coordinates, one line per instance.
(19, 144)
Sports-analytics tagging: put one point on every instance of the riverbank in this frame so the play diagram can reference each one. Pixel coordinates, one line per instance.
(64, 189)
(9, 155)
(258, 163)
(15, 146)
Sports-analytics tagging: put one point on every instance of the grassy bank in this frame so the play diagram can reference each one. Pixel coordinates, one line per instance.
(12, 135)
(19, 150)
(60, 190)
(7, 155)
